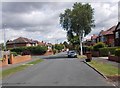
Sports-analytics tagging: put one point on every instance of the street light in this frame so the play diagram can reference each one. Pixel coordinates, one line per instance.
(4, 36)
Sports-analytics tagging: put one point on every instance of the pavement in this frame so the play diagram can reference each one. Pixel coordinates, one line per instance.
(57, 70)
(18, 64)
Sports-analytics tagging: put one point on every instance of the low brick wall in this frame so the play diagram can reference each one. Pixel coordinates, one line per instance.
(4, 62)
(114, 58)
(18, 59)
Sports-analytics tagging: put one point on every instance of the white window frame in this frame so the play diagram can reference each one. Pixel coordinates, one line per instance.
(117, 34)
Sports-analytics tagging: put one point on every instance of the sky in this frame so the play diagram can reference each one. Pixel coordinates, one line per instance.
(40, 20)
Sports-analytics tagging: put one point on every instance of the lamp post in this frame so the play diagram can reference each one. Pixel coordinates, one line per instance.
(4, 37)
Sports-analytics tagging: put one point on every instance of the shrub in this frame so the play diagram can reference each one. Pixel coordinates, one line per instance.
(107, 50)
(18, 50)
(30, 50)
(97, 46)
(25, 52)
(14, 53)
(117, 52)
(59, 46)
(89, 48)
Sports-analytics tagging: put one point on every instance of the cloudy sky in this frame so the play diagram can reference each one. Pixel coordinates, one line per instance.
(40, 20)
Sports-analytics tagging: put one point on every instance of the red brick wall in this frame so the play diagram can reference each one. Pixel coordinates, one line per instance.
(18, 59)
(114, 58)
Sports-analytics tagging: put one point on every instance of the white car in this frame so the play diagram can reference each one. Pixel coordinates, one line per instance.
(72, 53)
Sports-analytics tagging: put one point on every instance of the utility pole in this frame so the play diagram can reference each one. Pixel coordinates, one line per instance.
(4, 36)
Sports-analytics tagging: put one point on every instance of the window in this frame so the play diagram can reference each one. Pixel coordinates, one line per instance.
(116, 35)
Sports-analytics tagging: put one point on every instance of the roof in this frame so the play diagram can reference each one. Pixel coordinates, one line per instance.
(88, 39)
(21, 40)
(41, 43)
(111, 30)
(108, 32)
(102, 32)
(94, 36)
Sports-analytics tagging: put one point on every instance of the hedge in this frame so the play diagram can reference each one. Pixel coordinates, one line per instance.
(107, 50)
(98, 45)
(34, 50)
(117, 52)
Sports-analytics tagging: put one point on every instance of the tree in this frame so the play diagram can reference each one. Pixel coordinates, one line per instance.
(65, 44)
(77, 21)
(59, 46)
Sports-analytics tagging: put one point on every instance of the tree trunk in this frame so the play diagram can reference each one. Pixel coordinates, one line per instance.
(81, 49)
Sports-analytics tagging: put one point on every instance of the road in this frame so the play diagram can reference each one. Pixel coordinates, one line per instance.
(57, 70)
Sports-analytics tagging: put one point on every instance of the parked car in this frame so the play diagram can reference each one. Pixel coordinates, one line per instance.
(72, 53)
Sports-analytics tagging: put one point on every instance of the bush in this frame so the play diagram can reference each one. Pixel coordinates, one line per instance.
(14, 53)
(107, 50)
(26, 52)
(59, 46)
(97, 46)
(89, 48)
(18, 50)
(30, 50)
(117, 52)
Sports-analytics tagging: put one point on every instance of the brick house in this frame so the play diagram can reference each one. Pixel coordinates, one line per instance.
(20, 42)
(110, 36)
(94, 39)
(87, 42)
(107, 36)
(42, 43)
(117, 35)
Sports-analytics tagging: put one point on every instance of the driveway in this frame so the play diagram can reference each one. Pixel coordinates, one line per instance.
(57, 70)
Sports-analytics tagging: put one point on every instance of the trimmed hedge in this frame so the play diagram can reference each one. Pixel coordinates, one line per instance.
(117, 52)
(98, 45)
(14, 53)
(107, 50)
(34, 50)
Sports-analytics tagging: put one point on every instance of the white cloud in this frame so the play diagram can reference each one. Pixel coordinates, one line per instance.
(40, 21)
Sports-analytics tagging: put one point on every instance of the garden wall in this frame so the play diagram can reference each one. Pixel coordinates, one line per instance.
(114, 58)
(18, 59)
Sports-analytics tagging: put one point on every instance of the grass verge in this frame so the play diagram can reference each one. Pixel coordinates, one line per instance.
(18, 68)
(81, 57)
(105, 68)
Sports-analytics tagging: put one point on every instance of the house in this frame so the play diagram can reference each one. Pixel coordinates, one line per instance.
(117, 35)
(49, 45)
(94, 39)
(87, 42)
(20, 42)
(110, 36)
(107, 36)
(42, 43)
(102, 37)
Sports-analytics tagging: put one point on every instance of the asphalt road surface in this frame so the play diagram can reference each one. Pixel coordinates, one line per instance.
(57, 70)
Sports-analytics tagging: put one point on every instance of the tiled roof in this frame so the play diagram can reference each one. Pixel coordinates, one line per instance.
(21, 40)
(94, 36)
(41, 43)
(110, 31)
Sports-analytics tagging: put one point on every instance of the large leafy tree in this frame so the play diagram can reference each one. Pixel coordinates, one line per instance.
(77, 21)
